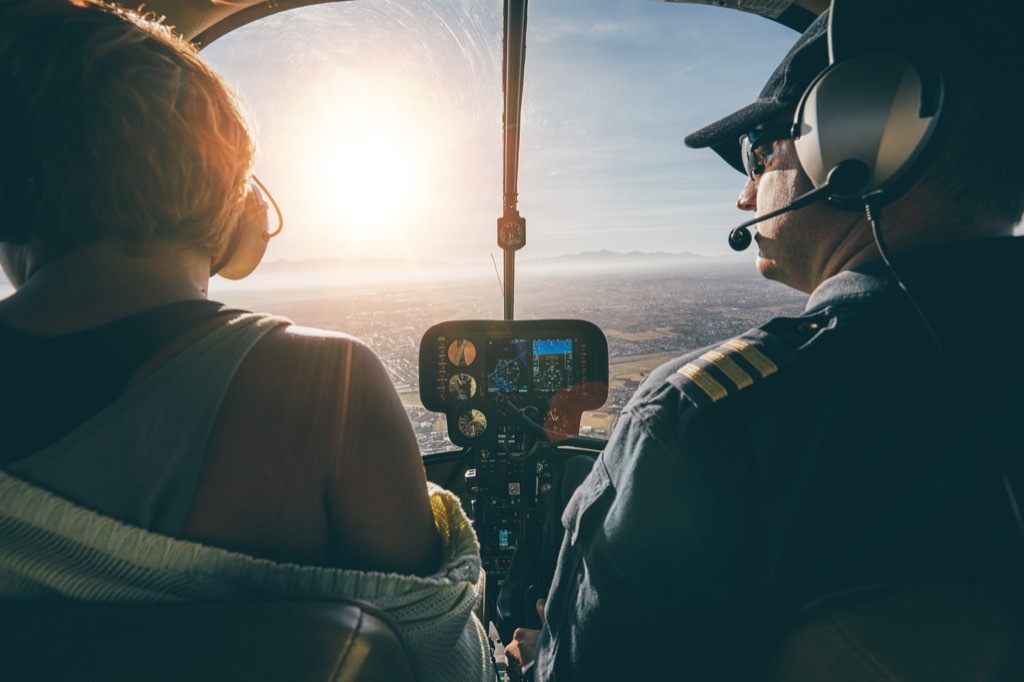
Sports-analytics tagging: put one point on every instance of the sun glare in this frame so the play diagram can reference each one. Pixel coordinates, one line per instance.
(372, 177)
(362, 159)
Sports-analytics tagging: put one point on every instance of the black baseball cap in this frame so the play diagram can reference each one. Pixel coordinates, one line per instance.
(975, 45)
(805, 60)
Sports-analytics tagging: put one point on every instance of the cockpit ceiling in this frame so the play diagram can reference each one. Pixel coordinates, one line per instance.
(203, 21)
(796, 14)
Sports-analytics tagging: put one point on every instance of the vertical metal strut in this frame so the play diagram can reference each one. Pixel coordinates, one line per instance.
(512, 226)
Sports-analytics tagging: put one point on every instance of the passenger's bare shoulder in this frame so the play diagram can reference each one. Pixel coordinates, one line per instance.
(293, 336)
(289, 348)
(327, 397)
(321, 376)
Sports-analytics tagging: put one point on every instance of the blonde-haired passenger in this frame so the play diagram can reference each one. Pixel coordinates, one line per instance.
(158, 445)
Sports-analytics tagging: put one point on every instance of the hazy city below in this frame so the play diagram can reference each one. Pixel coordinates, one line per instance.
(651, 307)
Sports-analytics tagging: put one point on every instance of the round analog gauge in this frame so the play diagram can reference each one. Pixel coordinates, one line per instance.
(554, 416)
(462, 352)
(511, 234)
(472, 423)
(462, 386)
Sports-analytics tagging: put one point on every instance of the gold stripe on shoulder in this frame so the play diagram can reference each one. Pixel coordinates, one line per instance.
(752, 355)
(705, 381)
(736, 374)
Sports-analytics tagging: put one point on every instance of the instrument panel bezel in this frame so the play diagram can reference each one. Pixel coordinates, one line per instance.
(564, 373)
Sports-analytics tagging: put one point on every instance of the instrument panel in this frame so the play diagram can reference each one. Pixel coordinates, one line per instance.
(552, 369)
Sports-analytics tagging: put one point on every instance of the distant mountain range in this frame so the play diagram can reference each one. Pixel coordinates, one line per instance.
(582, 259)
(605, 257)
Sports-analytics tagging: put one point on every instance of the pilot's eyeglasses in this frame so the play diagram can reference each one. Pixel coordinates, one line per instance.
(757, 145)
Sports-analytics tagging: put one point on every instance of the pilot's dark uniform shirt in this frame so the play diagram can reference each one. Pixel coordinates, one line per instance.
(835, 449)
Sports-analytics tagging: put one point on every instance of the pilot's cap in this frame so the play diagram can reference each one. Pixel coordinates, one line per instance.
(801, 65)
(974, 44)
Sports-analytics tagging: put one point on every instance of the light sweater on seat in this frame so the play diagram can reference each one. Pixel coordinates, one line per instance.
(53, 549)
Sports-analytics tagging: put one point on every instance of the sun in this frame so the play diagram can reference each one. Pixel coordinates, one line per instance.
(366, 173)
(362, 157)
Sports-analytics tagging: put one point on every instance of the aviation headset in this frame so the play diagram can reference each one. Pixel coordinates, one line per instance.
(862, 128)
(245, 247)
(250, 235)
(863, 125)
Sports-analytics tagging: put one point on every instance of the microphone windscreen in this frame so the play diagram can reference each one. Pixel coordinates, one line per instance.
(740, 238)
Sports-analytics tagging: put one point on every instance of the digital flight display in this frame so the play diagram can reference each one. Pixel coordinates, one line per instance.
(522, 365)
(508, 366)
(552, 365)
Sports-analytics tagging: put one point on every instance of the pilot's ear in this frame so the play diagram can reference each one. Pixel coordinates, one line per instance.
(249, 239)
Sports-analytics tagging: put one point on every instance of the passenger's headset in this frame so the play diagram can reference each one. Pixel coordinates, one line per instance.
(244, 251)
(250, 235)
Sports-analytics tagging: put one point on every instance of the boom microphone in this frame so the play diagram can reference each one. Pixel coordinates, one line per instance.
(740, 236)
(848, 177)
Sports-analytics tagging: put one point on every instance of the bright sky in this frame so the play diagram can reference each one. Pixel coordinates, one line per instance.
(379, 124)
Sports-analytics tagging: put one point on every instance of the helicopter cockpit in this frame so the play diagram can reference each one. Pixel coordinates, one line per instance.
(394, 120)
(408, 146)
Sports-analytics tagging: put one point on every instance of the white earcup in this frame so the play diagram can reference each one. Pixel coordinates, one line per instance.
(872, 109)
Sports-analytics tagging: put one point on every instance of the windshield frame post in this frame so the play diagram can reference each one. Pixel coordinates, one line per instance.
(511, 227)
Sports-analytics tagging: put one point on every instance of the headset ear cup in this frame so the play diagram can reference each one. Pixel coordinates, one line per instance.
(873, 108)
(249, 240)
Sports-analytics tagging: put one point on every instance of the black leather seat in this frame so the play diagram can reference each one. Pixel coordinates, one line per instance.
(276, 640)
(920, 633)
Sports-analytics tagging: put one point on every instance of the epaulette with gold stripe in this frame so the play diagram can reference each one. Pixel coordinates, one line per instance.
(733, 366)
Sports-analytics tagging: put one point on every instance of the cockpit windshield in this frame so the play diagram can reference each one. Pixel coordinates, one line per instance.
(379, 126)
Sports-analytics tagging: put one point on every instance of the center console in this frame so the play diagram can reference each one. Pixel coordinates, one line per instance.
(513, 393)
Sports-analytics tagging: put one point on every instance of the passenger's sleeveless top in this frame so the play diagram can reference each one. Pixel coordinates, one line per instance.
(138, 459)
(53, 384)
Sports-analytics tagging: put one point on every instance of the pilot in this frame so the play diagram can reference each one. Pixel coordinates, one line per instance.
(157, 445)
(874, 439)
